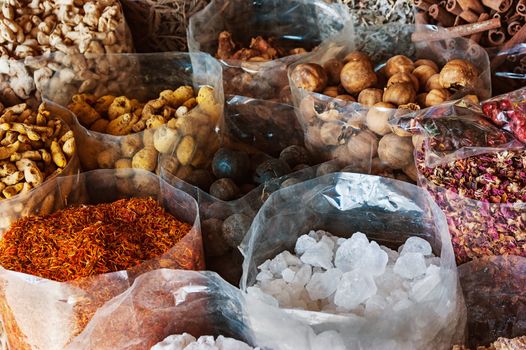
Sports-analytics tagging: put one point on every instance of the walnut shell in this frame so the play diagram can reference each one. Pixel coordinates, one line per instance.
(423, 73)
(458, 74)
(370, 97)
(425, 62)
(398, 64)
(333, 68)
(363, 145)
(309, 76)
(356, 76)
(400, 94)
(395, 151)
(378, 116)
(436, 97)
(404, 78)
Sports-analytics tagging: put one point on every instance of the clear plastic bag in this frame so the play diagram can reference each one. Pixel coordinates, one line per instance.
(144, 76)
(494, 293)
(344, 130)
(42, 314)
(39, 200)
(388, 212)
(508, 66)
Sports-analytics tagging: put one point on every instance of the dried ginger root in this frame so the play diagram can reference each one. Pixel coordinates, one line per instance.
(33, 147)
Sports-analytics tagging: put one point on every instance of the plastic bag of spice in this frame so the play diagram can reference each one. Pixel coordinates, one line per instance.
(386, 211)
(41, 313)
(494, 293)
(165, 103)
(346, 92)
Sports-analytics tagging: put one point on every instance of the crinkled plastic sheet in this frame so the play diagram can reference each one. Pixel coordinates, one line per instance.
(143, 76)
(39, 200)
(509, 112)
(387, 211)
(494, 290)
(380, 43)
(508, 68)
(42, 314)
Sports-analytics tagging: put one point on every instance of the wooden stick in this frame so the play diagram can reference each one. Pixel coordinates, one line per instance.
(477, 36)
(453, 7)
(456, 32)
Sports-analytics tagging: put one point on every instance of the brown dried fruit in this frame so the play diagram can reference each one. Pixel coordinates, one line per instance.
(357, 76)
(357, 56)
(423, 73)
(436, 97)
(309, 76)
(363, 145)
(421, 99)
(404, 78)
(331, 134)
(433, 83)
(331, 91)
(378, 116)
(333, 68)
(457, 74)
(398, 64)
(400, 94)
(370, 96)
(424, 62)
(395, 151)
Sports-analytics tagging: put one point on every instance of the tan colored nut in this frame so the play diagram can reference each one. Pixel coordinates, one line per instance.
(32, 173)
(190, 103)
(357, 76)
(347, 98)
(363, 146)
(165, 140)
(433, 83)
(360, 57)
(85, 113)
(472, 98)
(332, 134)
(107, 158)
(100, 125)
(309, 76)
(69, 147)
(404, 78)
(425, 62)
(331, 91)
(398, 64)
(124, 168)
(436, 97)
(378, 116)
(458, 74)
(333, 68)
(179, 96)
(13, 179)
(131, 145)
(185, 150)
(395, 151)
(58, 155)
(370, 97)
(147, 138)
(410, 171)
(145, 159)
(423, 74)
(399, 94)
(122, 125)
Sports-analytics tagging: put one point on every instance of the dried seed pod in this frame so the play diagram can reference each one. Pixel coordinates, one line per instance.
(360, 57)
(357, 76)
(398, 64)
(458, 74)
(235, 227)
(363, 145)
(370, 96)
(145, 159)
(309, 76)
(224, 189)
(400, 94)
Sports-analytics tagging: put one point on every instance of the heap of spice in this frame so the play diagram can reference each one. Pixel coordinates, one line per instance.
(89, 240)
(508, 112)
(483, 198)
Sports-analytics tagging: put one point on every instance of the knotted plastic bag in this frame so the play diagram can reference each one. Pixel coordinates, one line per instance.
(388, 212)
(38, 313)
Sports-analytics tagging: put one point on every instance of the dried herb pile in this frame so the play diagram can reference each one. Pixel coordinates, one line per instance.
(88, 240)
(483, 198)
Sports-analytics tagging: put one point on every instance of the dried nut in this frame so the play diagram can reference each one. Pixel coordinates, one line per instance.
(400, 94)
(421, 99)
(425, 62)
(398, 64)
(224, 189)
(165, 139)
(357, 76)
(370, 97)
(436, 97)
(307, 109)
(363, 145)
(123, 168)
(472, 98)
(410, 171)
(458, 74)
(332, 134)
(331, 115)
(100, 125)
(145, 159)
(360, 57)
(423, 73)
(378, 116)
(185, 150)
(348, 98)
(433, 83)
(404, 78)
(309, 76)
(331, 91)
(333, 68)
(107, 158)
(131, 145)
(395, 151)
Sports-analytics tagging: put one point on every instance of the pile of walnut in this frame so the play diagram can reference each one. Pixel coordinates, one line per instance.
(355, 135)
(37, 27)
(34, 147)
(259, 50)
(179, 122)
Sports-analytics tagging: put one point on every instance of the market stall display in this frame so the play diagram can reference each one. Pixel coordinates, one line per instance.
(187, 341)
(93, 253)
(345, 98)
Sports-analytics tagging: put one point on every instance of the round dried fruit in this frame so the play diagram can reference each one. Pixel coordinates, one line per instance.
(309, 76)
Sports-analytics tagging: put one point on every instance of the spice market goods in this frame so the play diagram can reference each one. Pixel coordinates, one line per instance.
(36, 146)
(500, 344)
(378, 12)
(361, 135)
(160, 26)
(187, 341)
(138, 234)
(351, 283)
(496, 304)
(239, 32)
(44, 27)
(509, 112)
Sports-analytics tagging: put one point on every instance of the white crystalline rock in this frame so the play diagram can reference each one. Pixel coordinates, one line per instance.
(320, 254)
(375, 306)
(290, 259)
(264, 276)
(328, 241)
(264, 266)
(187, 342)
(427, 287)
(288, 275)
(416, 245)
(303, 243)
(176, 341)
(266, 298)
(278, 264)
(328, 340)
(350, 251)
(373, 260)
(434, 260)
(391, 254)
(410, 265)
(354, 289)
(323, 284)
(303, 275)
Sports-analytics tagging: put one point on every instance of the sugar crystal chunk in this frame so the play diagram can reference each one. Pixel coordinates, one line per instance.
(328, 340)
(410, 265)
(427, 287)
(288, 275)
(176, 341)
(373, 260)
(303, 243)
(350, 251)
(416, 245)
(303, 275)
(278, 264)
(320, 254)
(323, 284)
(354, 288)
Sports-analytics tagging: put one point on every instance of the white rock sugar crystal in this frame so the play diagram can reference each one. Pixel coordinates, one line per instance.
(187, 342)
(350, 275)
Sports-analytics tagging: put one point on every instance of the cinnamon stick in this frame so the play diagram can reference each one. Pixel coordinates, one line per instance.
(422, 4)
(474, 51)
(452, 6)
(521, 8)
(441, 15)
(458, 21)
(514, 27)
(455, 32)
(497, 5)
(518, 38)
(477, 36)
(473, 5)
(469, 16)
(496, 37)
